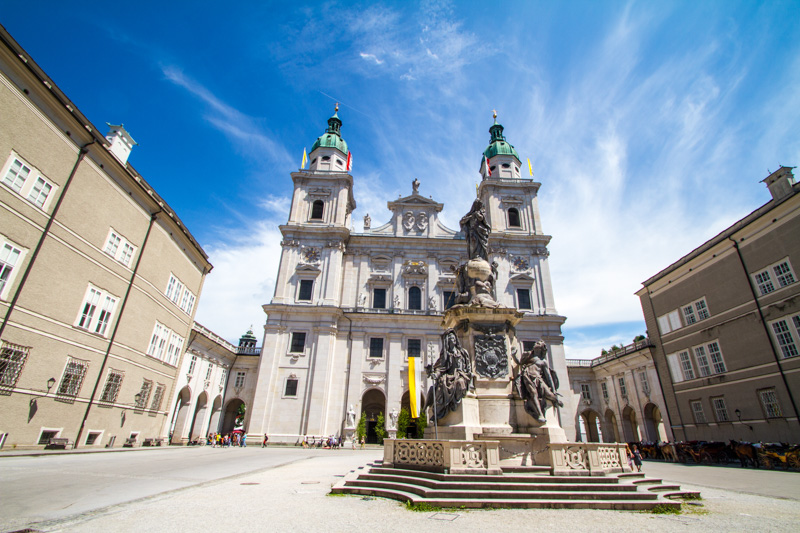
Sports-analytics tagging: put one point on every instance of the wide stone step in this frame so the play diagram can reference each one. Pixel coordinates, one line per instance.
(530, 485)
(503, 478)
(500, 494)
(480, 503)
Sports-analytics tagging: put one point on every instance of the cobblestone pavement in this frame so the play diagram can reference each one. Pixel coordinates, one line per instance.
(293, 496)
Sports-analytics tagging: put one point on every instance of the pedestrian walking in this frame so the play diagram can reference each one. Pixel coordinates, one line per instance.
(637, 458)
(265, 442)
(243, 440)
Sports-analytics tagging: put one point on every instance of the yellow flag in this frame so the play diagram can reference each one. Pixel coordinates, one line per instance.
(414, 384)
(530, 167)
(305, 158)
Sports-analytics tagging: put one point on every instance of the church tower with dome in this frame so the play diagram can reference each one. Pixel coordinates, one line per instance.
(351, 307)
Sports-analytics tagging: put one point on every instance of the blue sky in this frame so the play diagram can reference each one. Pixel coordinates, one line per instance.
(649, 124)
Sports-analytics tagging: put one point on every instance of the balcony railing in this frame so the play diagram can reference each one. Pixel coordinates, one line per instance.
(248, 350)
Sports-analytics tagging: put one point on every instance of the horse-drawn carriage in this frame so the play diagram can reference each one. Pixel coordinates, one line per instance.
(772, 455)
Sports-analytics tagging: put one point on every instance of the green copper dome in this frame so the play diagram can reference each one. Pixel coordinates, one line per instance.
(498, 144)
(332, 138)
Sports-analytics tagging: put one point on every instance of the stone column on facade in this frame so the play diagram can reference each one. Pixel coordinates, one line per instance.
(266, 379)
(318, 401)
(395, 366)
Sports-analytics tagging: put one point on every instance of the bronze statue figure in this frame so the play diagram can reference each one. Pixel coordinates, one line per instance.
(451, 375)
(536, 383)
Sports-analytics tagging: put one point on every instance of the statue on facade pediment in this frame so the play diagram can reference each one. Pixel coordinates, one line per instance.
(415, 186)
(536, 382)
(367, 221)
(451, 375)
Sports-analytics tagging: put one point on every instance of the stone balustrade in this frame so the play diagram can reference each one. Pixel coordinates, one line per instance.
(446, 456)
(592, 458)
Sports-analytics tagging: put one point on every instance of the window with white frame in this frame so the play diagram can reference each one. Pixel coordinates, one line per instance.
(716, 357)
(192, 365)
(720, 409)
(26, 181)
(166, 345)
(208, 371)
(623, 390)
(524, 298)
(9, 257)
(774, 277)
(12, 359)
(604, 390)
(97, 310)
(290, 390)
(174, 349)
(680, 366)
(697, 412)
(119, 248)
(703, 368)
(643, 382)
(298, 344)
(158, 396)
(686, 365)
(787, 333)
(72, 379)
(112, 386)
(669, 322)
(180, 294)
(695, 312)
(769, 401)
(239, 381)
(158, 341)
(376, 347)
(586, 392)
(144, 394)
(222, 376)
(305, 291)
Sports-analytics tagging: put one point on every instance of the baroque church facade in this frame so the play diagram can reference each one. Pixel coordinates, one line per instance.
(351, 307)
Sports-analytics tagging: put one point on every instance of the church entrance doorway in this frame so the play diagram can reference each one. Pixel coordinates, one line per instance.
(373, 404)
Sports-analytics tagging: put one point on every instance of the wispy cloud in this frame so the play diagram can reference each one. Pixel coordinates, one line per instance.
(371, 57)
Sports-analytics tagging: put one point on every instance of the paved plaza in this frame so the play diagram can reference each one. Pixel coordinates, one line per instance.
(286, 489)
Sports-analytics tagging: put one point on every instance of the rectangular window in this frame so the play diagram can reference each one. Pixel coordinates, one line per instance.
(604, 389)
(376, 347)
(697, 412)
(190, 304)
(670, 321)
(92, 437)
(785, 338)
(173, 281)
(144, 394)
(158, 396)
(644, 383)
(44, 438)
(113, 244)
(716, 357)
(298, 342)
(449, 299)
(764, 282)
(414, 347)
(305, 291)
(73, 376)
(623, 390)
(223, 375)
(39, 193)
(185, 300)
(688, 315)
(239, 381)
(379, 298)
(208, 371)
(180, 294)
(686, 365)
(192, 365)
(176, 294)
(8, 260)
(174, 350)
(720, 409)
(702, 309)
(769, 401)
(112, 386)
(291, 387)
(586, 392)
(17, 175)
(92, 320)
(126, 254)
(158, 341)
(523, 298)
(12, 359)
(783, 273)
(702, 361)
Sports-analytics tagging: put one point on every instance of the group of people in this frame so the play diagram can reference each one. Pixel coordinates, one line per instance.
(331, 442)
(227, 440)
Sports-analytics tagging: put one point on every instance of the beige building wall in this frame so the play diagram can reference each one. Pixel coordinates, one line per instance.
(730, 367)
(89, 252)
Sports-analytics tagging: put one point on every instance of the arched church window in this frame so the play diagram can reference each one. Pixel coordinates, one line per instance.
(415, 298)
(513, 218)
(317, 209)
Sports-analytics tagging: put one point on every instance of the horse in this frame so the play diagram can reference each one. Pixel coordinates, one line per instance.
(668, 452)
(746, 452)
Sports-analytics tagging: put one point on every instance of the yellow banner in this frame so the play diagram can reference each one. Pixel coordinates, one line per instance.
(413, 384)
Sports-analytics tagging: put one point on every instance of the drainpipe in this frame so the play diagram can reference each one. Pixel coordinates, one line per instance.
(766, 329)
(116, 328)
(81, 154)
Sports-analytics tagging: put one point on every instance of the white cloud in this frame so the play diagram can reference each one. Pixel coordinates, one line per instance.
(371, 57)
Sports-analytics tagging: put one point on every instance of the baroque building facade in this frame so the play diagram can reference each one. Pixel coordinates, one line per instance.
(351, 307)
(99, 278)
(619, 397)
(725, 324)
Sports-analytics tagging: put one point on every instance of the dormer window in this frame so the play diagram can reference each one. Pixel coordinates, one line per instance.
(513, 218)
(317, 209)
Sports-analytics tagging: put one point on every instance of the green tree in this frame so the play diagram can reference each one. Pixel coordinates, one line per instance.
(422, 423)
(638, 338)
(380, 428)
(403, 421)
(361, 428)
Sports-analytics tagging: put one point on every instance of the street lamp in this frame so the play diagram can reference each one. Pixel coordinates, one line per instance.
(50, 383)
(739, 416)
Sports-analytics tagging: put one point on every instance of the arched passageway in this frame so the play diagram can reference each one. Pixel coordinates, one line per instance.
(178, 430)
(216, 411)
(610, 428)
(591, 426)
(654, 424)
(373, 403)
(234, 416)
(630, 427)
(199, 420)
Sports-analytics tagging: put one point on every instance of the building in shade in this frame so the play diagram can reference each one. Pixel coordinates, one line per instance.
(618, 396)
(99, 278)
(725, 322)
(350, 307)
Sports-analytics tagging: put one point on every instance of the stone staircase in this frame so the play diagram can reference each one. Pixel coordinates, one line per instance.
(520, 487)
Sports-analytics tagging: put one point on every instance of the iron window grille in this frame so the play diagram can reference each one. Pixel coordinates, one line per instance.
(12, 360)
(158, 396)
(71, 381)
(144, 394)
(112, 386)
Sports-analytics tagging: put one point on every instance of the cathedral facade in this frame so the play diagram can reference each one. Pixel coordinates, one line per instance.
(350, 307)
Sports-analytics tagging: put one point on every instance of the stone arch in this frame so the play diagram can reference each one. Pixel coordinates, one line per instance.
(591, 425)
(216, 411)
(231, 412)
(610, 428)
(630, 426)
(178, 430)
(199, 418)
(373, 403)
(654, 427)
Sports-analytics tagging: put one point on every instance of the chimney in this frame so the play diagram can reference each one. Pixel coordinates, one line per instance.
(121, 142)
(780, 183)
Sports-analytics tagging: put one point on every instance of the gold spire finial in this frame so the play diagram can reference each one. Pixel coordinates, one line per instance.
(337, 107)
(494, 114)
